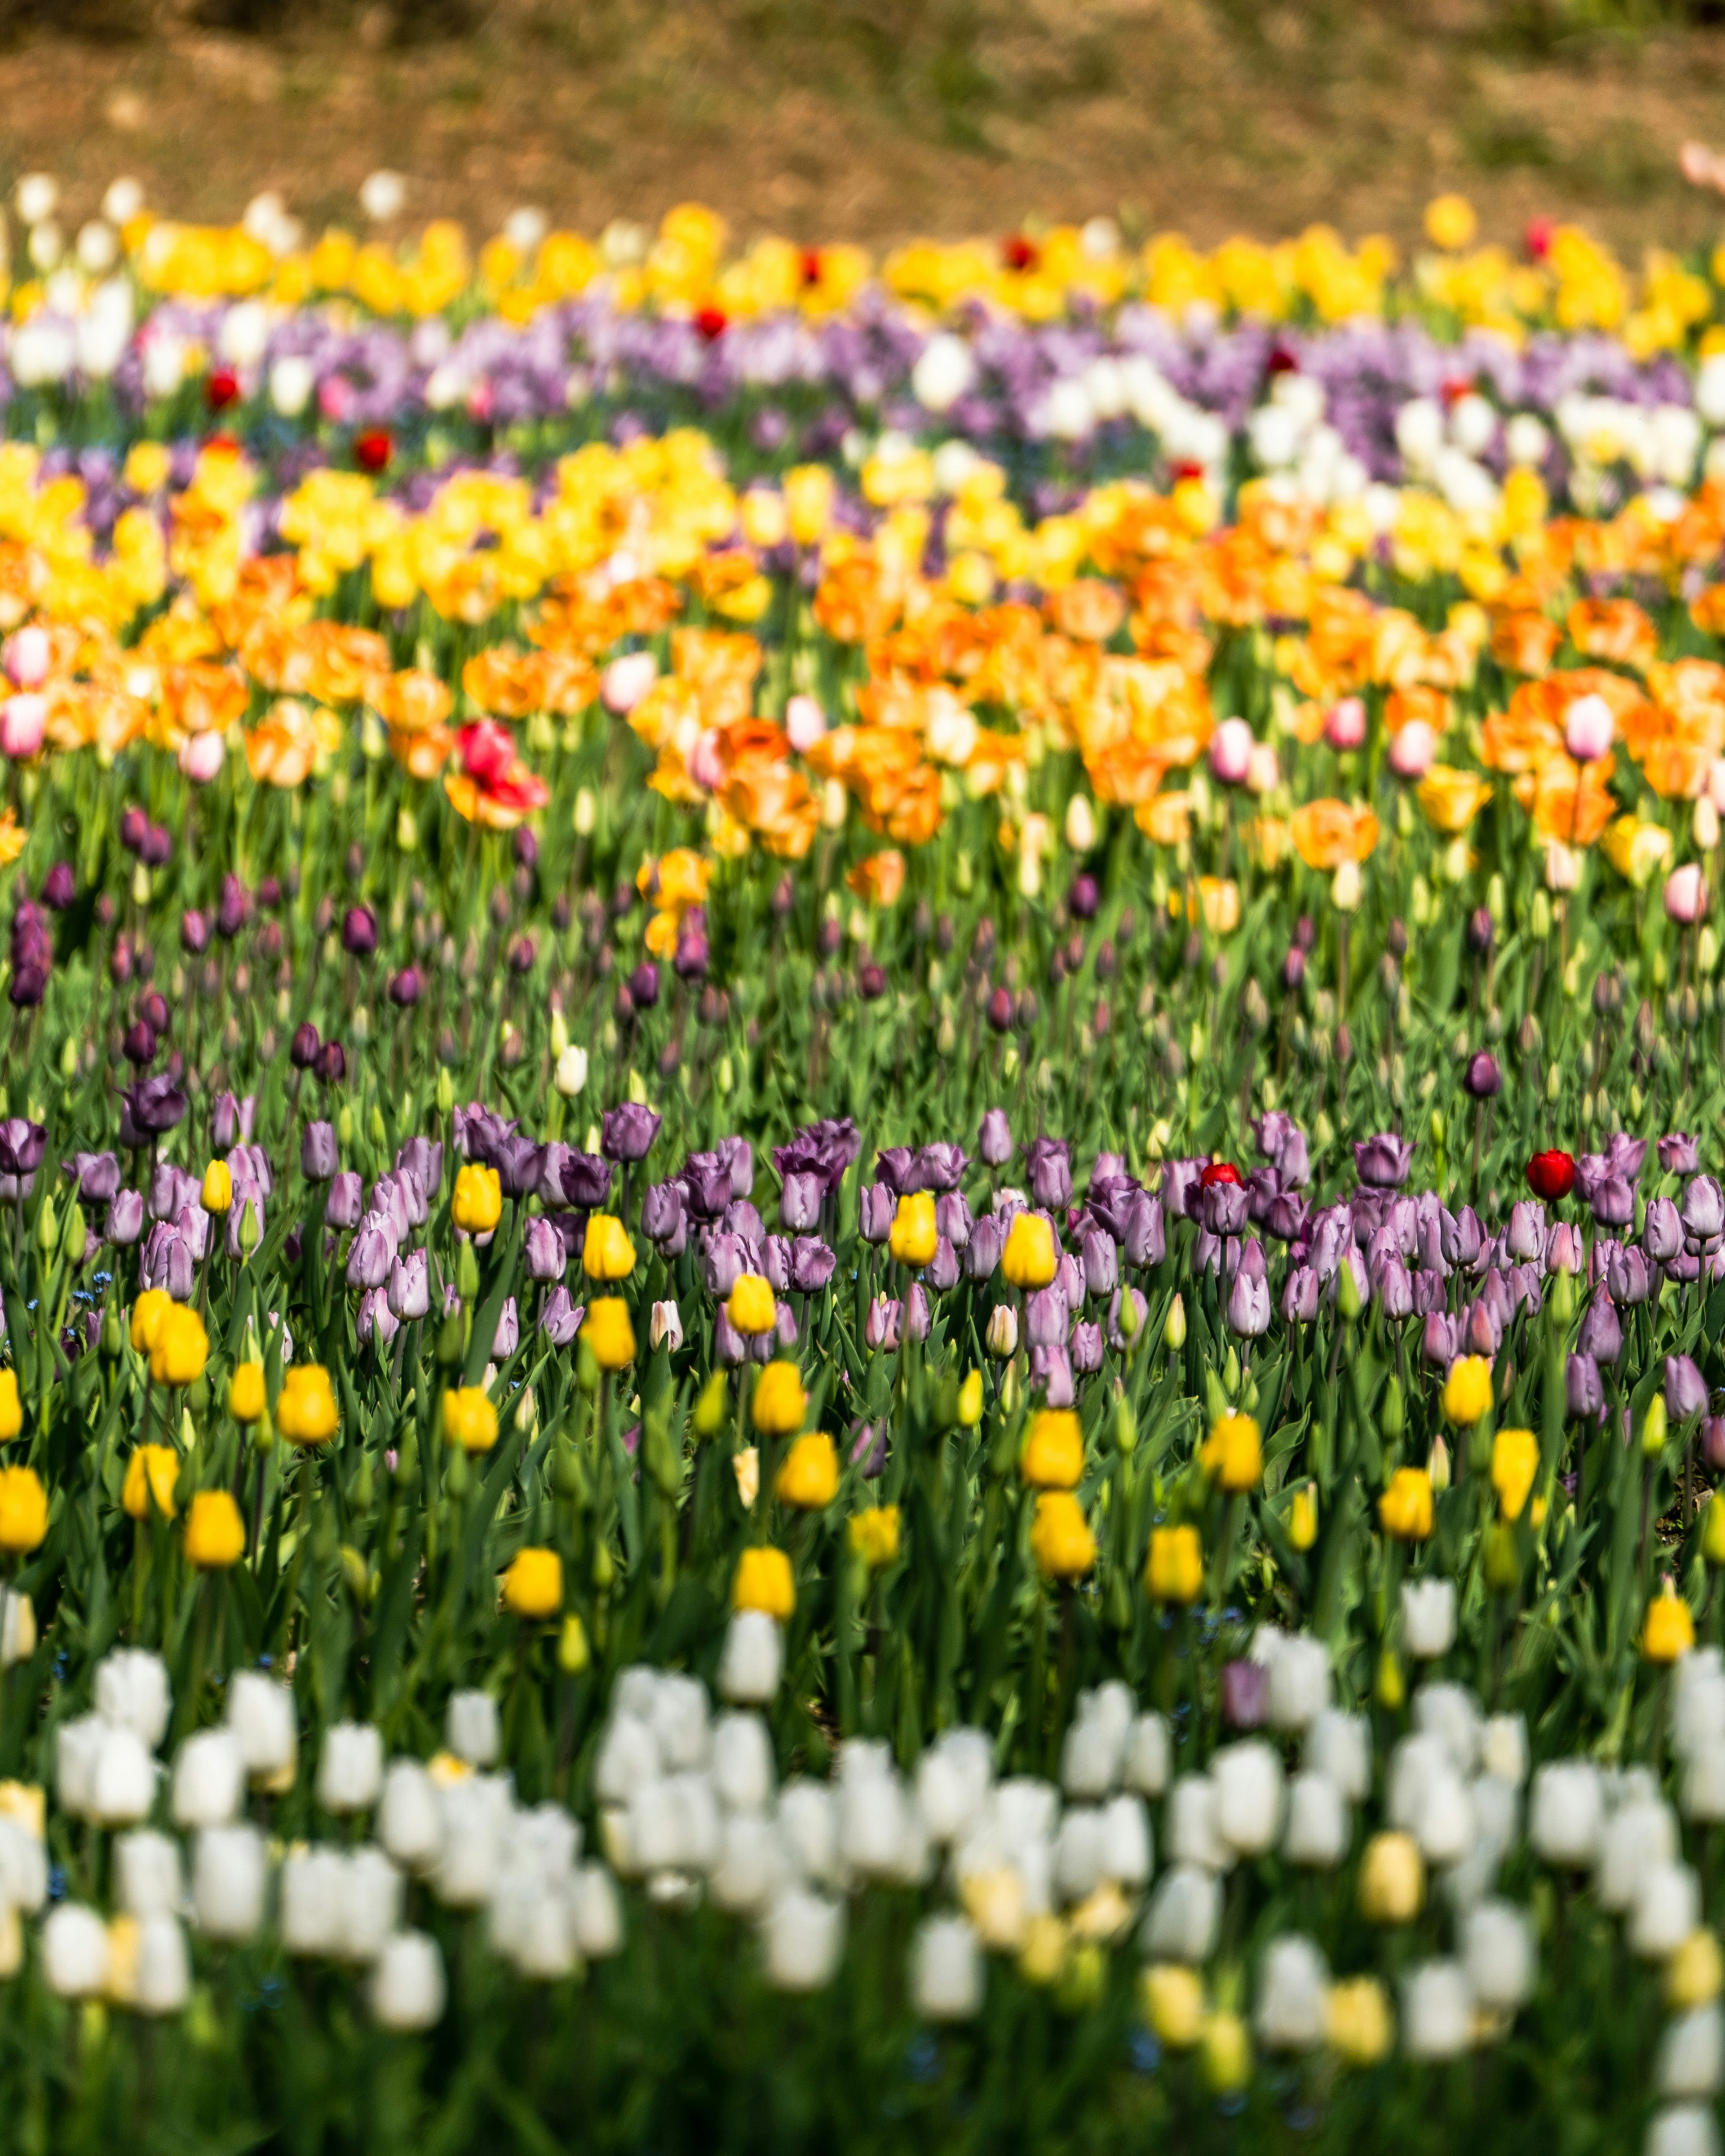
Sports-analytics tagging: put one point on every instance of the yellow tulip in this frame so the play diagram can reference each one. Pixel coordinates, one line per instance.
(245, 1391)
(218, 1192)
(606, 1253)
(147, 1312)
(1514, 1461)
(1053, 1457)
(1404, 1511)
(11, 1409)
(1227, 2053)
(1173, 1999)
(970, 1401)
(1449, 799)
(23, 1510)
(215, 1533)
(609, 1332)
(1358, 2021)
(1392, 1880)
(752, 1308)
(477, 1206)
(1174, 1572)
(151, 1474)
(1060, 1539)
(1302, 1518)
(305, 1413)
(1670, 1630)
(180, 1348)
(779, 1402)
(1695, 1973)
(809, 1477)
(913, 1234)
(874, 1536)
(469, 1419)
(763, 1581)
(1233, 1453)
(1467, 1390)
(533, 1585)
(1450, 222)
(1028, 1260)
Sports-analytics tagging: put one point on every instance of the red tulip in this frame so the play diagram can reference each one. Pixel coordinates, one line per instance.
(372, 449)
(1019, 254)
(222, 389)
(1551, 1175)
(1219, 1171)
(709, 323)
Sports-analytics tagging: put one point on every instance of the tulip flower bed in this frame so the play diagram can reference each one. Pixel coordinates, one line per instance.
(860, 1291)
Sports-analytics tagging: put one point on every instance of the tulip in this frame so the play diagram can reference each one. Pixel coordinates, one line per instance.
(809, 1480)
(1685, 895)
(779, 1402)
(609, 1332)
(305, 1411)
(1467, 1390)
(477, 1206)
(350, 1770)
(407, 1990)
(1669, 1632)
(751, 1306)
(215, 1532)
(1686, 1392)
(1392, 1880)
(763, 1583)
(1404, 1511)
(1514, 1461)
(913, 1238)
(533, 1585)
(1060, 1539)
(1174, 1569)
(1028, 1260)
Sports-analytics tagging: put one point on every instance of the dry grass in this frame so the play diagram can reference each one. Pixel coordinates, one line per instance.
(876, 119)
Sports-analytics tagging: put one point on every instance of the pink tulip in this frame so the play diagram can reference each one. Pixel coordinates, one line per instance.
(24, 719)
(1264, 772)
(1715, 783)
(28, 652)
(1413, 748)
(1346, 725)
(201, 757)
(1231, 752)
(805, 722)
(1686, 893)
(627, 679)
(1588, 728)
(707, 761)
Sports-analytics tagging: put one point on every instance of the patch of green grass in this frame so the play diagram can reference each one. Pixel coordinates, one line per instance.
(1509, 145)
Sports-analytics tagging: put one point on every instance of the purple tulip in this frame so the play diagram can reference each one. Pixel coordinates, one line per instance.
(983, 1252)
(1437, 1343)
(1525, 1237)
(371, 1254)
(1483, 1077)
(1249, 1305)
(1686, 1392)
(374, 1320)
(995, 1143)
(776, 1262)
(1141, 1316)
(1678, 1154)
(231, 912)
(1145, 1240)
(345, 1201)
(738, 1156)
(544, 1251)
(1703, 1213)
(1101, 1263)
(881, 1326)
(1299, 1295)
(661, 1211)
(507, 1336)
(1048, 1164)
(1628, 1275)
(941, 1167)
(59, 888)
(359, 932)
(1662, 1232)
(875, 1212)
(1583, 1393)
(406, 988)
(1565, 1251)
(125, 1218)
(96, 1175)
(319, 1157)
(1712, 1444)
(953, 1219)
(410, 1285)
(1223, 1207)
(561, 1319)
(303, 1050)
(1601, 1334)
(1085, 1349)
(627, 1133)
(1051, 1373)
(583, 1179)
(194, 933)
(900, 1170)
(723, 1261)
(941, 1272)
(812, 1264)
(1382, 1162)
(799, 1203)
(154, 1106)
(22, 1145)
(1245, 1694)
(1046, 1317)
(424, 1157)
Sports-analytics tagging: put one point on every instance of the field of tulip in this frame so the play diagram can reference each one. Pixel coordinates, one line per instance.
(860, 1211)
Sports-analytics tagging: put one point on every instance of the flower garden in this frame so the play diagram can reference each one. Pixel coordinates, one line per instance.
(860, 1219)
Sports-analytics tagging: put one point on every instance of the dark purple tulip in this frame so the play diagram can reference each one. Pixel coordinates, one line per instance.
(627, 1132)
(662, 1211)
(1299, 1295)
(27, 986)
(95, 1174)
(1712, 1444)
(826, 1149)
(560, 1320)
(59, 888)
(359, 932)
(983, 1252)
(586, 1179)
(876, 1208)
(134, 828)
(1483, 1078)
(517, 1160)
(995, 1143)
(799, 1203)
(1702, 1214)
(951, 1218)
(1583, 1393)
(707, 1186)
(1686, 1392)
(331, 1063)
(125, 1218)
(1481, 932)
(1048, 1164)
(155, 1105)
(1084, 898)
(231, 911)
(1245, 1694)
(157, 849)
(643, 985)
(119, 962)
(1601, 1334)
(406, 988)
(319, 1158)
(1678, 1154)
(303, 1052)
(899, 1168)
(812, 1264)
(942, 1166)
(871, 981)
(194, 933)
(346, 1203)
(1382, 1162)
(139, 1044)
(1662, 1231)
(694, 954)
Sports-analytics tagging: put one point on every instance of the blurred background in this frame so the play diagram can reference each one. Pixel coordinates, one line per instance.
(873, 119)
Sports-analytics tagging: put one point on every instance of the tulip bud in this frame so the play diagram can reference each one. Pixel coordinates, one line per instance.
(1439, 1469)
(467, 1282)
(970, 1400)
(445, 1093)
(1654, 1427)
(1347, 1300)
(573, 1653)
(113, 1335)
(1390, 1689)
(571, 1075)
(708, 1418)
(1126, 1426)
(1392, 1417)
(1173, 1328)
(1713, 1531)
(587, 1368)
(48, 1231)
(1503, 1567)
(1002, 1337)
(250, 1233)
(451, 1340)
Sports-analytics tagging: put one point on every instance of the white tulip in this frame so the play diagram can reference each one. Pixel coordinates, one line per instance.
(804, 1935)
(1684, 2129)
(1026, 1811)
(408, 1989)
(751, 1865)
(1190, 1827)
(544, 1949)
(1527, 439)
(1503, 1749)
(872, 1822)
(1125, 1853)
(1697, 1699)
(24, 1868)
(1500, 1955)
(123, 1786)
(545, 1839)
(470, 1729)
(1692, 2053)
(742, 1762)
(76, 1744)
(309, 1914)
(1450, 1713)
(131, 1689)
(952, 1779)
(1339, 1747)
(164, 1968)
(473, 1809)
(1429, 1617)
(597, 1911)
(209, 1780)
(75, 1953)
(383, 195)
(1299, 1682)
(1078, 1852)
(1702, 1789)
(1185, 1915)
(1567, 1812)
(122, 202)
(244, 333)
(679, 1721)
(260, 1713)
(37, 196)
(944, 371)
(946, 1970)
(808, 1818)
(146, 1874)
(1319, 1825)
(1090, 1758)
(1638, 1835)
(628, 1757)
(17, 1628)
(753, 1660)
(350, 1770)
(1251, 1793)
(1437, 2011)
(1293, 1984)
(1444, 1824)
(1666, 1910)
(409, 1817)
(370, 1904)
(228, 1879)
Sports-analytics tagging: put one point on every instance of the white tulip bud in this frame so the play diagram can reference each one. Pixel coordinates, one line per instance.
(953, 1779)
(24, 1868)
(310, 1916)
(1666, 1910)
(742, 1762)
(1080, 824)
(209, 1780)
(1078, 1852)
(1250, 1792)
(1299, 1682)
(408, 1989)
(1683, 2129)
(629, 1756)
(75, 1953)
(1125, 1854)
(1692, 2053)
(751, 1864)
(17, 1628)
(472, 1840)
(1429, 1617)
(809, 1819)
(228, 1879)
(350, 1773)
(665, 1328)
(260, 1713)
(946, 1970)
(471, 1727)
(146, 1874)
(164, 1968)
(1450, 1713)
(1191, 1829)
(1437, 2011)
(1146, 1764)
(410, 1822)
(1639, 1834)
(1444, 1827)
(753, 1660)
(804, 1934)
(123, 1785)
(679, 1721)
(1566, 1815)
(1002, 1337)
(1498, 1951)
(596, 1910)
(1503, 1749)
(370, 1906)
(1339, 1745)
(131, 1689)
(1319, 1827)
(1293, 1987)
(1185, 1915)
(571, 1075)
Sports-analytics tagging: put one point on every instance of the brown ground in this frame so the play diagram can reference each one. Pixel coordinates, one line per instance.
(877, 118)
